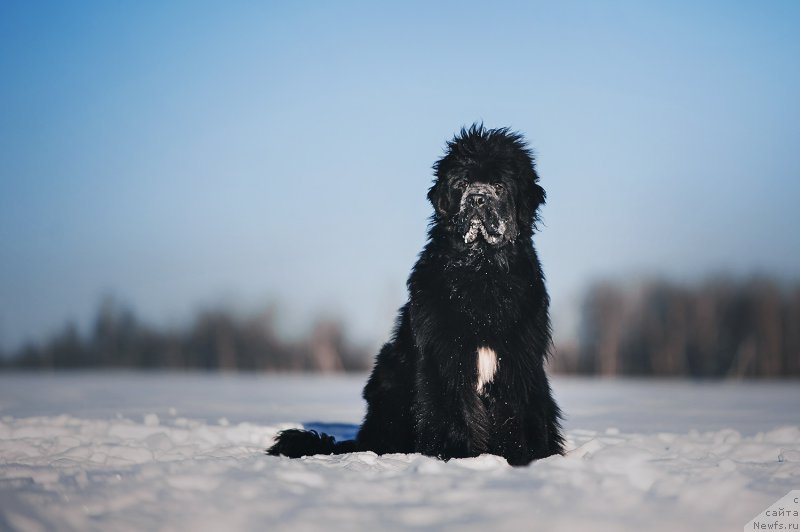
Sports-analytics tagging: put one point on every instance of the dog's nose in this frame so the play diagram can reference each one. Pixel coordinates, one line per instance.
(476, 200)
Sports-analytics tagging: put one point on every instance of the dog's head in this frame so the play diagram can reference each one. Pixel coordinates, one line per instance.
(486, 189)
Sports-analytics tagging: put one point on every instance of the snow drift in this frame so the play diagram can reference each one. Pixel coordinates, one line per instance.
(61, 468)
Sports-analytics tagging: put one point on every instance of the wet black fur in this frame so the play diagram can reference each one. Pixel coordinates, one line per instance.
(421, 395)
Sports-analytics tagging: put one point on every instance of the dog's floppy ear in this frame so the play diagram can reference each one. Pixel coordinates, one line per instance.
(438, 198)
(534, 197)
(539, 196)
(438, 194)
(537, 199)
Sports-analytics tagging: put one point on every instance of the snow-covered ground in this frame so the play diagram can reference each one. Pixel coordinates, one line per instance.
(138, 451)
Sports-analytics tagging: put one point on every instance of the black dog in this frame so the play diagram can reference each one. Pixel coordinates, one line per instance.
(463, 373)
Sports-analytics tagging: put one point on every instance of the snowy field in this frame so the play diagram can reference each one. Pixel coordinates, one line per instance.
(138, 451)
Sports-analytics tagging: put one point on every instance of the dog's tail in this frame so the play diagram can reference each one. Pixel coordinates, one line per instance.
(295, 443)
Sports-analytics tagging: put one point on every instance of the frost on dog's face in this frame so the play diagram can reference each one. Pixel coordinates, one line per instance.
(480, 210)
(485, 213)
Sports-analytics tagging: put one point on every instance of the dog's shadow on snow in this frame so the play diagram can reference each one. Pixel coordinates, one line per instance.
(340, 431)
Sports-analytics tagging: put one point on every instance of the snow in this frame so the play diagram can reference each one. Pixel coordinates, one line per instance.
(139, 451)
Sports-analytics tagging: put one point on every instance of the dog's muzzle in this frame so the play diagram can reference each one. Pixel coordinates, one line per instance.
(479, 215)
(478, 228)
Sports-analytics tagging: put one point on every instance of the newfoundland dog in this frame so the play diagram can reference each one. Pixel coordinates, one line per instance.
(463, 373)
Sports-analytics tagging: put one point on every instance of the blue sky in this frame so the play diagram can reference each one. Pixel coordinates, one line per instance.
(188, 154)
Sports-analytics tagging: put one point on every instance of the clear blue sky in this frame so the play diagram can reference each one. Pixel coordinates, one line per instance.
(182, 154)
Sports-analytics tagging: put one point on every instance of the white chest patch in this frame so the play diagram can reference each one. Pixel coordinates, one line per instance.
(487, 367)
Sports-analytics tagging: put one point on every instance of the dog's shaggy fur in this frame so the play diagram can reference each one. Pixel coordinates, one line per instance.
(463, 373)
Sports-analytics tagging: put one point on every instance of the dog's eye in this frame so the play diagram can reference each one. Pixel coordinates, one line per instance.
(460, 184)
(498, 187)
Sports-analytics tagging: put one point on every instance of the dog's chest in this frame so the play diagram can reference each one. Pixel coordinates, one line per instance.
(486, 303)
(487, 367)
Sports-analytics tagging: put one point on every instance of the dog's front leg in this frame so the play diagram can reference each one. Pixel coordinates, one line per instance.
(450, 419)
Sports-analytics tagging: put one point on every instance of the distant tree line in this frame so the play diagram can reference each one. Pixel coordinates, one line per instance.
(718, 328)
(215, 340)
